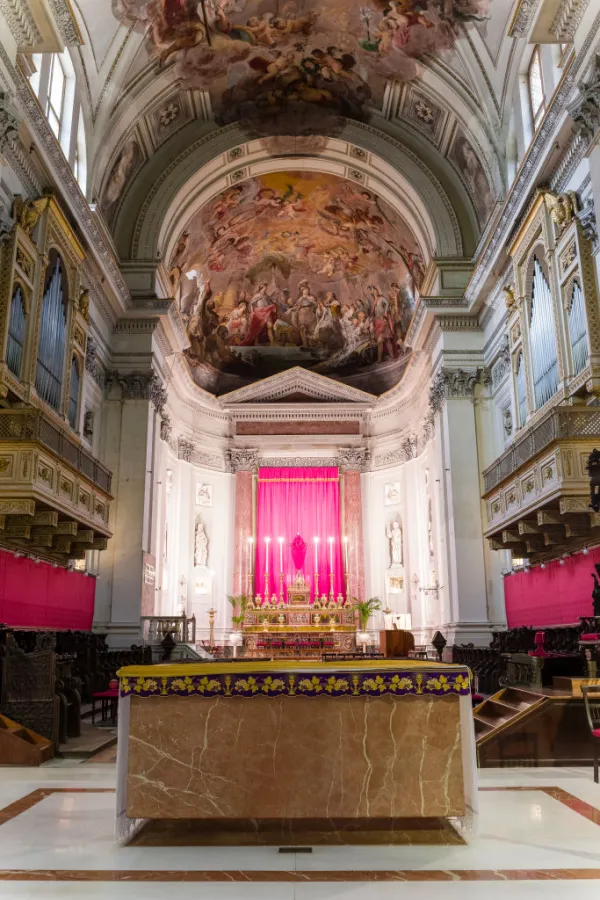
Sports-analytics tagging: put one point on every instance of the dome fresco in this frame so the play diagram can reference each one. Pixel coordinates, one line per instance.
(296, 268)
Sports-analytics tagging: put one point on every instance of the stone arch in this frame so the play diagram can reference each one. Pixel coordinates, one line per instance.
(144, 227)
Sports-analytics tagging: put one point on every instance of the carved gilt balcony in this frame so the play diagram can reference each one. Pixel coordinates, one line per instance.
(537, 493)
(54, 495)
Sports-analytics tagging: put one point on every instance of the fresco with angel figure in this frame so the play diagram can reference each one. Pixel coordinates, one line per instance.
(296, 268)
(258, 57)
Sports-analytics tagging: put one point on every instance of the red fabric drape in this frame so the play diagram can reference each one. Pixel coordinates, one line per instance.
(556, 595)
(36, 595)
(303, 501)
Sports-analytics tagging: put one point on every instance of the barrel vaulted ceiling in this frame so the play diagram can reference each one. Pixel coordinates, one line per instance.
(434, 75)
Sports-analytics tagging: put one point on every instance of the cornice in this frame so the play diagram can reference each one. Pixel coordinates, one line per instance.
(567, 19)
(66, 22)
(523, 18)
(21, 22)
(294, 381)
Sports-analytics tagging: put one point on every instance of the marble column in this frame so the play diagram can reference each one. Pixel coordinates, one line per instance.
(464, 611)
(242, 565)
(352, 527)
(129, 437)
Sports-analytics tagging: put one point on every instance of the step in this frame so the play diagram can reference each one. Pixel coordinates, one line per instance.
(481, 727)
(21, 746)
(521, 696)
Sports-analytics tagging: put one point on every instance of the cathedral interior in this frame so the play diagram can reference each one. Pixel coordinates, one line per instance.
(299, 415)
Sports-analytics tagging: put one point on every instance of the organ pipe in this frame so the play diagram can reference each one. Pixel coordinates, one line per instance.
(51, 345)
(577, 329)
(542, 340)
(521, 390)
(16, 332)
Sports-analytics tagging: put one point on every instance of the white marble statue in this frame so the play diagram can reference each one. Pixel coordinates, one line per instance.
(394, 535)
(200, 546)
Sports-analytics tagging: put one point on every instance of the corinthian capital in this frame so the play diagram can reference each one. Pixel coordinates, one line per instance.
(585, 110)
(354, 458)
(242, 460)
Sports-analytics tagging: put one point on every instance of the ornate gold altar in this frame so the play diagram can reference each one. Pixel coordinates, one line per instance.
(298, 627)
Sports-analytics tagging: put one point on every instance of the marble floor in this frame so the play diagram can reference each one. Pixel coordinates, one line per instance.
(537, 827)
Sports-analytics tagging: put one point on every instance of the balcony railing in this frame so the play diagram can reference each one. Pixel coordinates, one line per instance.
(155, 628)
(33, 425)
(562, 422)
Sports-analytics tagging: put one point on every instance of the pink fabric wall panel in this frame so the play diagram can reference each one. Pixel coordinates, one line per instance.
(556, 595)
(40, 596)
(303, 501)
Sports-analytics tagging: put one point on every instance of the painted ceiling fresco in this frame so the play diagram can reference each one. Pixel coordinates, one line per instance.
(296, 268)
(279, 65)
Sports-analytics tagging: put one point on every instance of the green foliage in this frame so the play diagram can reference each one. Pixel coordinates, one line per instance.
(365, 609)
(238, 601)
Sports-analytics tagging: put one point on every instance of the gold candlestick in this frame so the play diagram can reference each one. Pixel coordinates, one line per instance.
(250, 584)
(211, 623)
(316, 585)
(267, 585)
(281, 586)
(331, 593)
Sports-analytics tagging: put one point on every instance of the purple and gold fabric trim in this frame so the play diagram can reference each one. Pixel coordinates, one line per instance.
(300, 684)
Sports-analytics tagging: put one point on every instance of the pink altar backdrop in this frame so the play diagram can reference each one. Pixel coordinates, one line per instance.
(303, 501)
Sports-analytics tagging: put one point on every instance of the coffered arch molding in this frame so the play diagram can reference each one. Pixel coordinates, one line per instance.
(152, 205)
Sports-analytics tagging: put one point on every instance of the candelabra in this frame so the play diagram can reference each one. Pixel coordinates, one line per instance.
(211, 624)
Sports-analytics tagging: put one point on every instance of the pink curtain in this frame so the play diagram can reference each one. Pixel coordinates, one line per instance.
(556, 595)
(304, 501)
(36, 595)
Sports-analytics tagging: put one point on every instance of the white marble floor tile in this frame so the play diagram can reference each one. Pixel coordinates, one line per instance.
(522, 890)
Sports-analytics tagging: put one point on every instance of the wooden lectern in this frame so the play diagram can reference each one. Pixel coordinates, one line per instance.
(396, 643)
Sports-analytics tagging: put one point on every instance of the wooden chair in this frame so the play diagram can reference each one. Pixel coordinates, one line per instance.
(591, 699)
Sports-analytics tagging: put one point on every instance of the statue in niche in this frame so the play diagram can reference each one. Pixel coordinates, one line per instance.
(200, 546)
(394, 536)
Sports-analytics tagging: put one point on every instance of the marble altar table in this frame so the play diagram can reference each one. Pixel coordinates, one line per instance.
(295, 740)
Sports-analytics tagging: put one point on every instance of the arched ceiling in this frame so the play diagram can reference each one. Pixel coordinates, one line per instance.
(258, 152)
(302, 67)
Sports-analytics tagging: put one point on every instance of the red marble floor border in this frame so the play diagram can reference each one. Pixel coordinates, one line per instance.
(570, 800)
(264, 876)
(272, 876)
(34, 797)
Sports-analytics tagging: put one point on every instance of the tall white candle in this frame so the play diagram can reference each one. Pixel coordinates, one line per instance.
(316, 540)
(281, 554)
(330, 554)
(250, 555)
(346, 551)
(267, 541)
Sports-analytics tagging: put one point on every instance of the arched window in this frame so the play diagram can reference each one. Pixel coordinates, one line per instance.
(74, 394)
(53, 329)
(535, 83)
(542, 340)
(16, 332)
(577, 327)
(53, 82)
(80, 158)
(521, 391)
